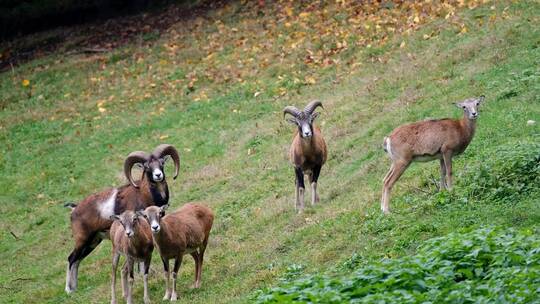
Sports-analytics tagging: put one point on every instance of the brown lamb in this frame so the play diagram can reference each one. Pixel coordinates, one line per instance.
(131, 237)
(184, 231)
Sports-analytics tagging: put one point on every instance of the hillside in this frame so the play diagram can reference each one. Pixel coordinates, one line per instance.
(214, 86)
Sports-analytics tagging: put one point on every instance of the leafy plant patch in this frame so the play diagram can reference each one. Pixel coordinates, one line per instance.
(501, 177)
(490, 265)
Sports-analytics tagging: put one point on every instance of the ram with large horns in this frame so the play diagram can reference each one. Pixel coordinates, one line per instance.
(308, 150)
(91, 218)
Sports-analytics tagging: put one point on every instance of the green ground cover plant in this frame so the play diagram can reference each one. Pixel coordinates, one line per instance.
(488, 265)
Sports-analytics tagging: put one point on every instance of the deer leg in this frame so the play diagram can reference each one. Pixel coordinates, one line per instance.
(166, 275)
(300, 188)
(129, 286)
(145, 279)
(395, 173)
(195, 255)
(124, 273)
(115, 259)
(443, 173)
(314, 179)
(201, 258)
(384, 203)
(84, 245)
(447, 156)
(177, 263)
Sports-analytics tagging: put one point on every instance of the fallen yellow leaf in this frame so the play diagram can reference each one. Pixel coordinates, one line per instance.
(303, 15)
(310, 80)
(25, 82)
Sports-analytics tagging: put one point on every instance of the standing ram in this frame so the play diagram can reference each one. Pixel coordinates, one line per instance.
(308, 150)
(91, 218)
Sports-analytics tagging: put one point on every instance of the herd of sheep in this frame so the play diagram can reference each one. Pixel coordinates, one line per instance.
(133, 216)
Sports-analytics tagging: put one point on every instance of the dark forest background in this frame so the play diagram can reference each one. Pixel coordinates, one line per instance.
(22, 17)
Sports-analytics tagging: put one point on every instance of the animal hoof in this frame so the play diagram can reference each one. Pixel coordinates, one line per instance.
(174, 297)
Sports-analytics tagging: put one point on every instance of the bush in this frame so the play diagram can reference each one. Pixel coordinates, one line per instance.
(503, 176)
(483, 266)
(511, 171)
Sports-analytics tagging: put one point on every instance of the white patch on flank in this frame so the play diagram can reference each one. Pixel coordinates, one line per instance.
(106, 208)
(389, 147)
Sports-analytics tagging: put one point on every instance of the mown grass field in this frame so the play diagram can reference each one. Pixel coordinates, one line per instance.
(214, 86)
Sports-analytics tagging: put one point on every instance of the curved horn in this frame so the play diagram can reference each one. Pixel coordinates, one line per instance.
(132, 159)
(312, 106)
(166, 149)
(291, 110)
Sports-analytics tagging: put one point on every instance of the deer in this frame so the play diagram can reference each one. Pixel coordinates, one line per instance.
(308, 151)
(428, 140)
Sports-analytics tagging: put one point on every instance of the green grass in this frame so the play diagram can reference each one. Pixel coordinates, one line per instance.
(57, 146)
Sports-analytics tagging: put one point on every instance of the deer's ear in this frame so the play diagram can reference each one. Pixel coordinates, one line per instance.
(481, 99)
(460, 105)
(114, 217)
(314, 115)
(291, 121)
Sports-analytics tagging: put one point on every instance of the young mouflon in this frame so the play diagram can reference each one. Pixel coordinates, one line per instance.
(130, 237)
(429, 140)
(184, 231)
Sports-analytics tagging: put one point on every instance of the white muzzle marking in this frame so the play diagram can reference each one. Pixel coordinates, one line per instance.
(306, 130)
(157, 175)
(155, 226)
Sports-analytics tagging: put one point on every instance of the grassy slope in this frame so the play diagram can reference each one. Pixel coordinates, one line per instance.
(57, 147)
